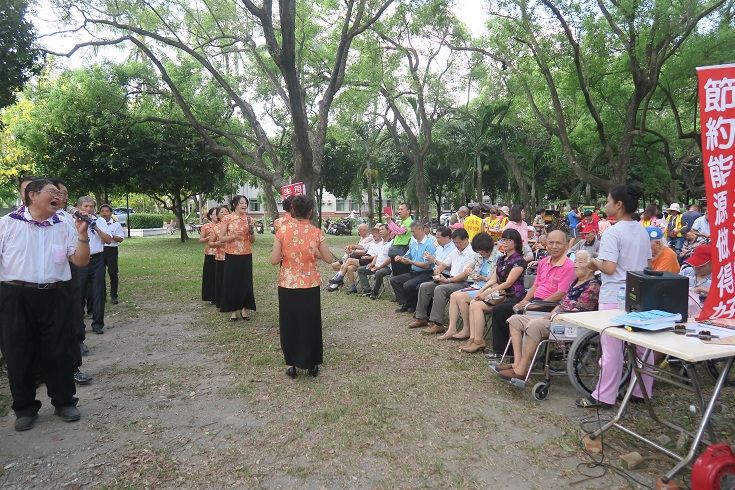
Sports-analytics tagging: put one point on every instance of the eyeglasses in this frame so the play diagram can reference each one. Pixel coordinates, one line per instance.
(53, 193)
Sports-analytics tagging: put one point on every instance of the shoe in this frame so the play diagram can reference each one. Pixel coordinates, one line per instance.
(367, 294)
(291, 372)
(445, 336)
(314, 371)
(244, 317)
(510, 374)
(590, 402)
(69, 413)
(332, 287)
(337, 279)
(373, 297)
(457, 336)
(418, 323)
(80, 378)
(477, 345)
(83, 349)
(500, 367)
(26, 422)
(402, 309)
(234, 319)
(352, 290)
(410, 310)
(114, 301)
(98, 331)
(433, 329)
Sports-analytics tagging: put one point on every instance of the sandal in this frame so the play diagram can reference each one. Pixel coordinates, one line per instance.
(590, 402)
(456, 336)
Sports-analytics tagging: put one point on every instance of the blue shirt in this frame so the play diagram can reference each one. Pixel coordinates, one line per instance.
(416, 253)
(443, 251)
(573, 219)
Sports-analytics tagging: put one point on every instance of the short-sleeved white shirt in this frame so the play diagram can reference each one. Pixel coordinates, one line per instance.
(116, 230)
(33, 253)
(627, 244)
(95, 242)
(458, 261)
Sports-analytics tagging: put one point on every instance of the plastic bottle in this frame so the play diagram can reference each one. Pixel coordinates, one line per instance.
(621, 298)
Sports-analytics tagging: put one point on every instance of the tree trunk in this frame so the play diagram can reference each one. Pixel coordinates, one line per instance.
(478, 176)
(422, 210)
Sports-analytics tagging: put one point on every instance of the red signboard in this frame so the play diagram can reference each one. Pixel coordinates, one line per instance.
(293, 189)
(717, 115)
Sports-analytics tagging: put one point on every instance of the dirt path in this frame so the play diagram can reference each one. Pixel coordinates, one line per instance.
(183, 399)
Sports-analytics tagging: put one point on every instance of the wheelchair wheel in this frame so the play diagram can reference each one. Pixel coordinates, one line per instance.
(714, 367)
(540, 391)
(583, 363)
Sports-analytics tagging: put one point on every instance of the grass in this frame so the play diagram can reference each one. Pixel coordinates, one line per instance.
(391, 408)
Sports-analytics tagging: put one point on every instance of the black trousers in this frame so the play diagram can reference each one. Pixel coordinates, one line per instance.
(110, 255)
(406, 286)
(92, 280)
(34, 331)
(398, 268)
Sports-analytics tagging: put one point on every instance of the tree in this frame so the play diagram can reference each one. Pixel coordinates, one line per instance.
(416, 82)
(172, 165)
(19, 58)
(294, 76)
(591, 69)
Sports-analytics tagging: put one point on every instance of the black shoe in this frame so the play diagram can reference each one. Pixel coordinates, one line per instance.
(314, 371)
(352, 290)
(80, 378)
(114, 301)
(26, 422)
(69, 413)
(373, 297)
(410, 310)
(590, 402)
(291, 372)
(83, 349)
(402, 309)
(366, 294)
(98, 331)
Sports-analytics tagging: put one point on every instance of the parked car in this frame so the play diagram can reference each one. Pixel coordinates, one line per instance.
(122, 214)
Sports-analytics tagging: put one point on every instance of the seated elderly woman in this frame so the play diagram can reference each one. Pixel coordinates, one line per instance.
(582, 295)
(459, 301)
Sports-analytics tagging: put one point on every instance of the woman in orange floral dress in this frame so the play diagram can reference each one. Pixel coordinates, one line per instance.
(236, 231)
(219, 257)
(209, 268)
(298, 246)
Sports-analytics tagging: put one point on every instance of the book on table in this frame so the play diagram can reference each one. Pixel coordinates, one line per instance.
(650, 317)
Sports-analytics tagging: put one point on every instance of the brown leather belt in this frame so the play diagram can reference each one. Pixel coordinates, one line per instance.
(35, 285)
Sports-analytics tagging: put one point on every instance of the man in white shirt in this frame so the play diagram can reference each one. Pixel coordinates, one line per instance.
(352, 251)
(701, 226)
(35, 249)
(458, 262)
(379, 265)
(110, 251)
(92, 276)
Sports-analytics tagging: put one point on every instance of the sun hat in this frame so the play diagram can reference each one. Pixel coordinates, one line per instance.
(505, 210)
(701, 255)
(654, 232)
(674, 207)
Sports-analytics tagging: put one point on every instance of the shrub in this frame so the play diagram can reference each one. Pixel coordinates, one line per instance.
(143, 220)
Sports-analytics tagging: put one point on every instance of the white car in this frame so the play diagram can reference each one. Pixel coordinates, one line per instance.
(444, 218)
(122, 214)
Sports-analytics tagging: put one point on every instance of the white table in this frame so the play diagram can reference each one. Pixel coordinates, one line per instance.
(674, 345)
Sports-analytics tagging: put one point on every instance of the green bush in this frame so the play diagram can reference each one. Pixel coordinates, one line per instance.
(143, 220)
(167, 217)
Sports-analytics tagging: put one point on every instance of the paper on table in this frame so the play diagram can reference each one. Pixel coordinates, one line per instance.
(726, 336)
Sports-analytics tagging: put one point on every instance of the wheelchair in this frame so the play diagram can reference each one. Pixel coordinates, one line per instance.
(569, 350)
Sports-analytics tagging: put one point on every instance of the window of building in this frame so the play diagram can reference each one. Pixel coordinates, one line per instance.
(340, 205)
(254, 206)
(354, 205)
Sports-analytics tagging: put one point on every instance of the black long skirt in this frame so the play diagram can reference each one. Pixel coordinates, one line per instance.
(237, 284)
(208, 277)
(300, 320)
(219, 276)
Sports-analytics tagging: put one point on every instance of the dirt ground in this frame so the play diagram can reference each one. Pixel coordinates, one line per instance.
(184, 399)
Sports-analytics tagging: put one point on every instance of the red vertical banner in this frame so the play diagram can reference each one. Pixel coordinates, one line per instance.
(717, 117)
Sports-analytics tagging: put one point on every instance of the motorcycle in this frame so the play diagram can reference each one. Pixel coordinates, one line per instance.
(342, 227)
(259, 228)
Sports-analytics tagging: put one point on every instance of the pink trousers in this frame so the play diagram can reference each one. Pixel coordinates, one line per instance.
(611, 366)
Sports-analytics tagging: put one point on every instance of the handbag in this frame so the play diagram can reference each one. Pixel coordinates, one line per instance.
(495, 298)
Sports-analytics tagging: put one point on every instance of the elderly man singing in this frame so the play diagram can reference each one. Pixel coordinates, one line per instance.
(35, 249)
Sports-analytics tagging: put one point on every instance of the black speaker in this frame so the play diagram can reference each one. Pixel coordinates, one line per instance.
(657, 290)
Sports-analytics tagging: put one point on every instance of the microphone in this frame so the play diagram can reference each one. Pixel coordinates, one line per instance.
(78, 214)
